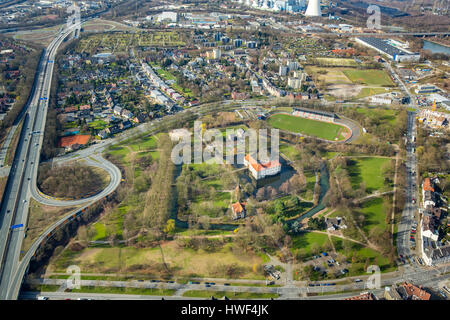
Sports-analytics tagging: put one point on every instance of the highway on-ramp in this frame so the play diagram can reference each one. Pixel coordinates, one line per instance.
(14, 206)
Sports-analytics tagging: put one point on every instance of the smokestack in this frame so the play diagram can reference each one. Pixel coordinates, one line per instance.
(313, 9)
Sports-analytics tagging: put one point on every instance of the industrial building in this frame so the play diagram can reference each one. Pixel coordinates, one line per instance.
(382, 46)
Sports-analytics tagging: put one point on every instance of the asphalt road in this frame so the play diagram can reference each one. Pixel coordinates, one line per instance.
(410, 210)
(91, 160)
(14, 209)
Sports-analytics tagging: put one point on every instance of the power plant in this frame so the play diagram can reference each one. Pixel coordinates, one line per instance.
(313, 9)
(290, 6)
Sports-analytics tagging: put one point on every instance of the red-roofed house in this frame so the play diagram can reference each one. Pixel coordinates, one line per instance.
(70, 109)
(363, 296)
(411, 292)
(427, 186)
(260, 170)
(238, 210)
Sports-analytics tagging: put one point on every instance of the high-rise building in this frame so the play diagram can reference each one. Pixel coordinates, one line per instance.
(283, 71)
(217, 54)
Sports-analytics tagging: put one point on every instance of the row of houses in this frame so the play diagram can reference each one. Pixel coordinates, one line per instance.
(171, 94)
(433, 252)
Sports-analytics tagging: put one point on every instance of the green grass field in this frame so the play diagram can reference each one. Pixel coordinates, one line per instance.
(369, 77)
(367, 92)
(306, 240)
(374, 214)
(323, 130)
(362, 254)
(369, 171)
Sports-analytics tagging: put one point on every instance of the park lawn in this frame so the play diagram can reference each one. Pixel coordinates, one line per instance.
(100, 229)
(388, 115)
(306, 240)
(290, 151)
(119, 152)
(369, 171)
(126, 290)
(229, 294)
(367, 92)
(144, 143)
(336, 213)
(361, 254)
(180, 261)
(221, 200)
(374, 214)
(370, 77)
(329, 75)
(323, 130)
(201, 232)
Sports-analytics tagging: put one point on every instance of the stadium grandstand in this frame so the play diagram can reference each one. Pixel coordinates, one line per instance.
(315, 114)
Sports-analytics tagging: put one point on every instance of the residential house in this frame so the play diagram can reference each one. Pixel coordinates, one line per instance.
(363, 296)
(125, 125)
(335, 223)
(409, 291)
(429, 228)
(117, 110)
(238, 209)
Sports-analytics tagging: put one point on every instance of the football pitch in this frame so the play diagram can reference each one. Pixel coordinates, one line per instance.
(319, 129)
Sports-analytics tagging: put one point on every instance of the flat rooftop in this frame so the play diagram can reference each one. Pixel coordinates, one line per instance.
(383, 45)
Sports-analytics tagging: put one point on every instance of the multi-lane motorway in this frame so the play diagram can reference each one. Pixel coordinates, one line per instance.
(14, 207)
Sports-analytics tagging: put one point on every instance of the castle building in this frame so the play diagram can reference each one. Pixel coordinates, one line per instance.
(260, 169)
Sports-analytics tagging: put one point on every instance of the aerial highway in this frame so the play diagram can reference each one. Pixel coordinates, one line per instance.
(14, 207)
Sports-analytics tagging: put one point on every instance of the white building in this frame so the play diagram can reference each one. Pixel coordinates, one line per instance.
(381, 100)
(260, 169)
(295, 83)
(167, 16)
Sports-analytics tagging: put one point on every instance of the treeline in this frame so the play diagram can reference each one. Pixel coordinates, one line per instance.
(26, 64)
(378, 124)
(159, 198)
(432, 151)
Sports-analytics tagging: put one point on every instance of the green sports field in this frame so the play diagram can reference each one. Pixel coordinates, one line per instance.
(319, 129)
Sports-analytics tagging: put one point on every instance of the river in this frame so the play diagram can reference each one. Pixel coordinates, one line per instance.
(435, 48)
